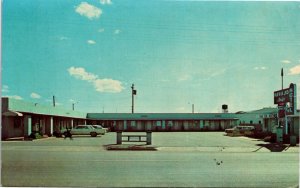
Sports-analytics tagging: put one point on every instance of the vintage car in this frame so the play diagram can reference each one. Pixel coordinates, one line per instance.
(100, 127)
(84, 130)
(240, 131)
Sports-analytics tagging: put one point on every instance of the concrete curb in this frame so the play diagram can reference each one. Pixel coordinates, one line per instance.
(225, 149)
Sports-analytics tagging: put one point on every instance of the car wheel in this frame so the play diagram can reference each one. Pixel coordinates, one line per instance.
(93, 134)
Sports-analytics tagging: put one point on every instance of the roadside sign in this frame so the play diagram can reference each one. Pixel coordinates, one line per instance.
(283, 97)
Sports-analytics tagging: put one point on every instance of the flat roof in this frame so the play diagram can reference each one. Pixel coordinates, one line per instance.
(161, 116)
(10, 104)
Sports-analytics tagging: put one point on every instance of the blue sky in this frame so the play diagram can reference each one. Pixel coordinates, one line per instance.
(177, 53)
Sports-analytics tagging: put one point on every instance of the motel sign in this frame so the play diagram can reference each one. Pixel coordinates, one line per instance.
(284, 97)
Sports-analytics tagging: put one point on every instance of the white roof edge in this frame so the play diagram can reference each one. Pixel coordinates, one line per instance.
(12, 113)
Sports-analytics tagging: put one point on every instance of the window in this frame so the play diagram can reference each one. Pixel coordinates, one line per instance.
(158, 123)
(196, 123)
(132, 123)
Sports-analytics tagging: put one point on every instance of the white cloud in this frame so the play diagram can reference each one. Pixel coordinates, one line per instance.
(117, 31)
(58, 104)
(72, 100)
(101, 85)
(105, 2)
(213, 73)
(48, 100)
(108, 85)
(184, 77)
(35, 95)
(218, 72)
(89, 11)
(101, 30)
(5, 89)
(260, 68)
(63, 38)
(180, 109)
(294, 70)
(51, 102)
(14, 97)
(81, 74)
(286, 61)
(91, 42)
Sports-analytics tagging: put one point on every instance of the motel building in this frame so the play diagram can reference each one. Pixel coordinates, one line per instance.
(21, 118)
(164, 121)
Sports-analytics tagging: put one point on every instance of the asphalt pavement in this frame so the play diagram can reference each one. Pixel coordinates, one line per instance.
(194, 159)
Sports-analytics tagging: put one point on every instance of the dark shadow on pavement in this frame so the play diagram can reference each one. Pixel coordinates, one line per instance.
(132, 147)
(274, 147)
(84, 136)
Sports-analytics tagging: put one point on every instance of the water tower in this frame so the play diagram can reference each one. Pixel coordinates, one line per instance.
(225, 108)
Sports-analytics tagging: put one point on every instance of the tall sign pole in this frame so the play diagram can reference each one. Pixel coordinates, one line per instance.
(133, 92)
(284, 108)
(281, 78)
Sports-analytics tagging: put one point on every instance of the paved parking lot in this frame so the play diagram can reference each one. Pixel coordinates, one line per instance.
(190, 159)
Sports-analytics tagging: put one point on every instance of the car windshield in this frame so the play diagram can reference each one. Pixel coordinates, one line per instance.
(80, 127)
(97, 127)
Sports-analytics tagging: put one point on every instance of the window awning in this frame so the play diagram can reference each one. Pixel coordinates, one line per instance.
(12, 113)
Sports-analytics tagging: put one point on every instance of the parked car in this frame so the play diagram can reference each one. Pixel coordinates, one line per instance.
(240, 131)
(85, 130)
(100, 127)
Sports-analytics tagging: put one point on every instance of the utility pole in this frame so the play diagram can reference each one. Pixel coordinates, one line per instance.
(192, 106)
(53, 100)
(73, 105)
(133, 92)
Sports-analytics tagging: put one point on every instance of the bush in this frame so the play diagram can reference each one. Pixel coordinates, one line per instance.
(35, 135)
(32, 136)
(57, 134)
(38, 136)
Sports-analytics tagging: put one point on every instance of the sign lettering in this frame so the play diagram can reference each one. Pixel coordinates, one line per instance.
(284, 96)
